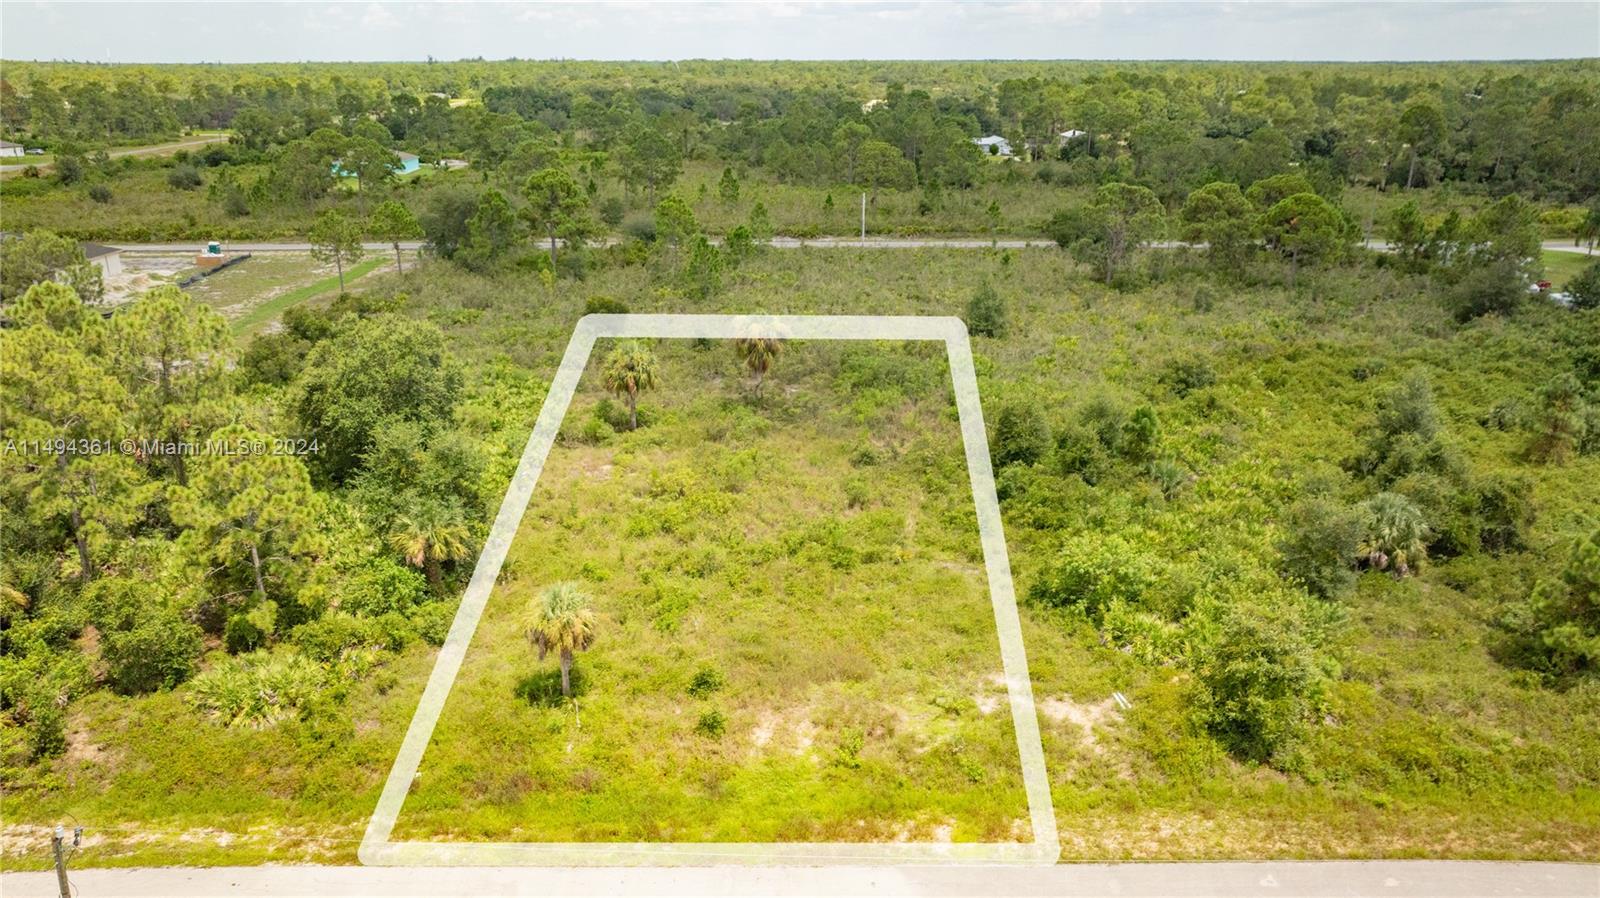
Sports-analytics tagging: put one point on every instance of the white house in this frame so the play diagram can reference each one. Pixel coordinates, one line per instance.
(10, 150)
(107, 258)
(1069, 135)
(993, 145)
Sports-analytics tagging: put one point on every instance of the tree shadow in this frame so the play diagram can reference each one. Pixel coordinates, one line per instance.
(542, 689)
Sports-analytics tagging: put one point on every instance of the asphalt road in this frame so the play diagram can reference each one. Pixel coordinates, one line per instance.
(779, 242)
(1312, 879)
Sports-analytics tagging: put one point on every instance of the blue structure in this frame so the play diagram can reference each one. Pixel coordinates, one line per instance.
(405, 164)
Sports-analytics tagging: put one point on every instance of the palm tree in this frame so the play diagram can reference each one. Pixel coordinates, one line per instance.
(561, 621)
(1397, 536)
(758, 354)
(630, 369)
(430, 537)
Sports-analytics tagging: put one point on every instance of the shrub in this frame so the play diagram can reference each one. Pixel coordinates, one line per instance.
(258, 690)
(705, 681)
(159, 652)
(1184, 376)
(604, 305)
(1106, 419)
(381, 586)
(1021, 435)
(1492, 288)
(247, 631)
(640, 227)
(612, 211)
(100, 193)
(1558, 625)
(1585, 288)
(1505, 512)
(712, 724)
(331, 636)
(1141, 435)
(184, 176)
(986, 313)
(1259, 679)
(1079, 451)
(1091, 571)
(1395, 535)
(432, 621)
(1561, 421)
(1320, 546)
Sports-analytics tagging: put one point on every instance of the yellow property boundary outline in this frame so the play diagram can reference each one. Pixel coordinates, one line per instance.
(377, 849)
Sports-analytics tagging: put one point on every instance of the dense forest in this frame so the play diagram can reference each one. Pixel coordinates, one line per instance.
(1324, 512)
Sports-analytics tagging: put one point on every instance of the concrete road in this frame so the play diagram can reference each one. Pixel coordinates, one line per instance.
(1313, 879)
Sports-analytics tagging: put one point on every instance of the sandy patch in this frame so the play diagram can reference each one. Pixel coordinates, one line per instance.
(1087, 716)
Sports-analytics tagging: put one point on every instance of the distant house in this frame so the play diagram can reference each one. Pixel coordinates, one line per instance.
(107, 258)
(1069, 135)
(10, 150)
(993, 145)
(405, 164)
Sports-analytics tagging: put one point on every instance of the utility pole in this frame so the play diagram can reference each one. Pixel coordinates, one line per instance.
(863, 216)
(61, 861)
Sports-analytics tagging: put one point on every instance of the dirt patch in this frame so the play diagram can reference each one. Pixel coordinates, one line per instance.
(1089, 716)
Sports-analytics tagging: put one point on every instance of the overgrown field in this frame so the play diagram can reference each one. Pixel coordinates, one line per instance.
(1157, 448)
(794, 637)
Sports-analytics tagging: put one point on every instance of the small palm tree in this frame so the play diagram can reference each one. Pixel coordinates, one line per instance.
(1397, 536)
(628, 370)
(758, 354)
(561, 621)
(430, 537)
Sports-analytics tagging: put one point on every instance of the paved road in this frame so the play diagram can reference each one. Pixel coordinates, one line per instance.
(779, 242)
(1313, 879)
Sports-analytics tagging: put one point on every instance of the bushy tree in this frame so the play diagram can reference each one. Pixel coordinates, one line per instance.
(1559, 624)
(1320, 546)
(1121, 219)
(986, 312)
(1219, 216)
(1021, 435)
(172, 354)
(380, 369)
(1259, 678)
(39, 256)
(1585, 287)
(1562, 420)
(556, 205)
(675, 223)
(491, 233)
(249, 516)
(1306, 228)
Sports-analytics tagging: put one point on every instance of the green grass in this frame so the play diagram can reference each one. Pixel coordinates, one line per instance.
(843, 605)
(1561, 267)
(1430, 744)
(237, 292)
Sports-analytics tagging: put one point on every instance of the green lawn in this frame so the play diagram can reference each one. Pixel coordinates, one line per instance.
(1561, 267)
(254, 293)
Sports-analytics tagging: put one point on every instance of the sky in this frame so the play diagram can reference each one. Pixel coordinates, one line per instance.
(333, 31)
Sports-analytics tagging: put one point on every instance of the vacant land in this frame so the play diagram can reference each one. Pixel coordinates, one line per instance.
(254, 293)
(795, 641)
(724, 518)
